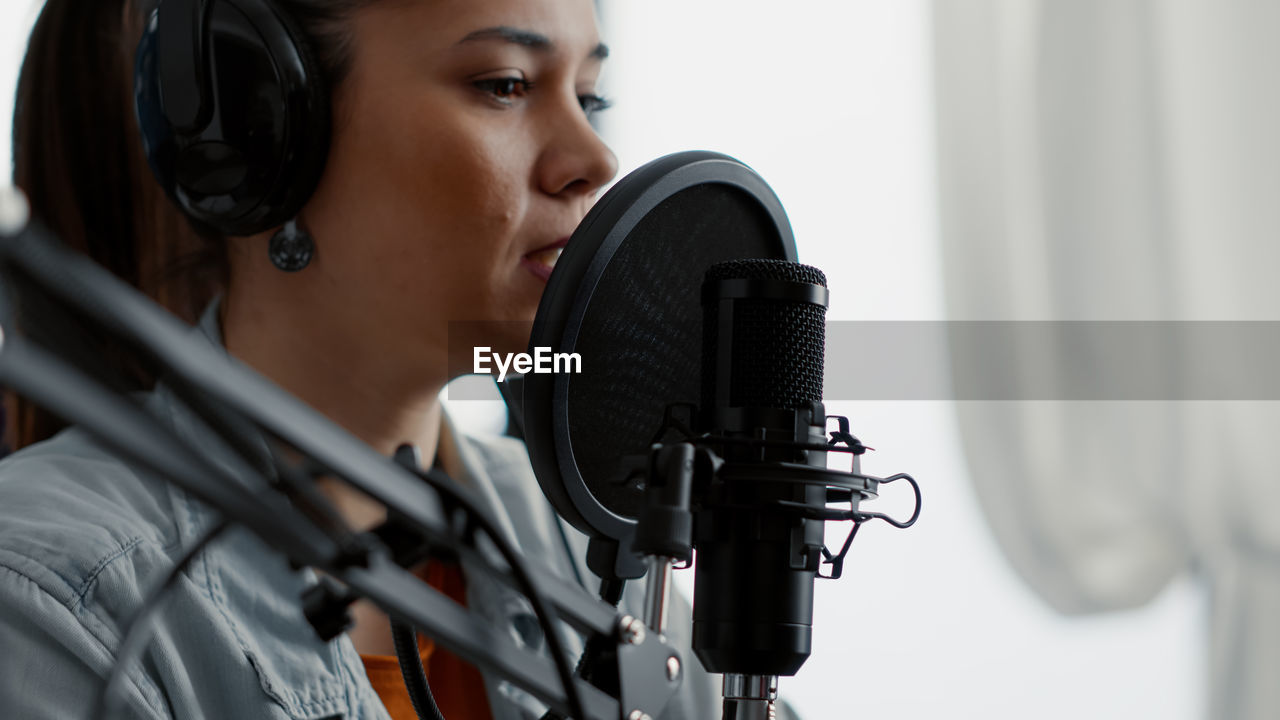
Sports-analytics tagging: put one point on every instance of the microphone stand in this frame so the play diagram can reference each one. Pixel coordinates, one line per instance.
(225, 393)
(664, 535)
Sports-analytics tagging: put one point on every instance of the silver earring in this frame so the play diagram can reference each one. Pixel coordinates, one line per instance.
(291, 248)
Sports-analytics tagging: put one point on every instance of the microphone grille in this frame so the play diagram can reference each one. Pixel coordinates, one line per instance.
(766, 269)
(776, 358)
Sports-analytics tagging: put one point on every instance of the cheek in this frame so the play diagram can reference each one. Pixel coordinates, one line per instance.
(473, 182)
(462, 183)
(472, 207)
(432, 181)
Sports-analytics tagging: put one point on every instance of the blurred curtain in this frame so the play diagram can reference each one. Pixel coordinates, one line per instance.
(1120, 160)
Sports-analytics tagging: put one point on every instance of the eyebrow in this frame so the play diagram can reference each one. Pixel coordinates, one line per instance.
(527, 38)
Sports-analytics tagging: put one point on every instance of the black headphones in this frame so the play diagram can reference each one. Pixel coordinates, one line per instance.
(233, 110)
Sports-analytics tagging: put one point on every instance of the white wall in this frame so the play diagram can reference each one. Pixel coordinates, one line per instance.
(16, 19)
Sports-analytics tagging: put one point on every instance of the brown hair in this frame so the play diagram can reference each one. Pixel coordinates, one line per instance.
(78, 156)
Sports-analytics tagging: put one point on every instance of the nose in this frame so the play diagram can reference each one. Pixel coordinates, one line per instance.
(576, 162)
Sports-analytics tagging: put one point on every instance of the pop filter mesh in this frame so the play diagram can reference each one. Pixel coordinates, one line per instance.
(641, 336)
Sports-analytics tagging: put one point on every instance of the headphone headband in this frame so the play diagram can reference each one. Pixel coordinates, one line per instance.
(180, 45)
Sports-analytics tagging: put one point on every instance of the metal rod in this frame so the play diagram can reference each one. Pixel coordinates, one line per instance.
(656, 593)
(750, 697)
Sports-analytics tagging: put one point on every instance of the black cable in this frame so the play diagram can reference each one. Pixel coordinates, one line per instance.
(547, 617)
(598, 647)
(214, 414)
(415, 676)
(404, 635)
(139, 629)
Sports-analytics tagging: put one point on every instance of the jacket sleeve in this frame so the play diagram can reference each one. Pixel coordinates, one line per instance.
(53, 664)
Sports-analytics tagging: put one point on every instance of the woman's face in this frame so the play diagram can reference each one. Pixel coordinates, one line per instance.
(461, 157)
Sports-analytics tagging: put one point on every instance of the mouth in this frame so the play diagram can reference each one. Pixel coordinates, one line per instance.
(543, 260)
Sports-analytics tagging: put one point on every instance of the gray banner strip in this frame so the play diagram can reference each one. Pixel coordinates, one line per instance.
(1041, 360)
(1053, 360)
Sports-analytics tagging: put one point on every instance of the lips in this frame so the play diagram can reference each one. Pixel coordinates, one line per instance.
(543, 260)
(546, 257)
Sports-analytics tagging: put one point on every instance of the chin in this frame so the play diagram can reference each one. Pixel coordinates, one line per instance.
(499, 336)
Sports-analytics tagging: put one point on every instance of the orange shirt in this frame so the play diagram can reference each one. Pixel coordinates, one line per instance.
(456, 685)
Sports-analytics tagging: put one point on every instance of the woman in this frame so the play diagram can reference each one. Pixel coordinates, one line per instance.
(459, 159)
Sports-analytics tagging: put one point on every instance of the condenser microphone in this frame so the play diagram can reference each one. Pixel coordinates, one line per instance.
(758, 538)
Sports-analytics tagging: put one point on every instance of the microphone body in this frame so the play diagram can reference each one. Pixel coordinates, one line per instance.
(757, 553)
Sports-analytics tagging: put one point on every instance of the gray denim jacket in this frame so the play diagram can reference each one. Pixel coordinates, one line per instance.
(83, 535)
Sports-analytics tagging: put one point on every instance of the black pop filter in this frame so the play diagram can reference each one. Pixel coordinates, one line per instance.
(624, 296)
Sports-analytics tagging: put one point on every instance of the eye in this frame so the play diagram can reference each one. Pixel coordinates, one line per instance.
(504, 89)
(594, 103)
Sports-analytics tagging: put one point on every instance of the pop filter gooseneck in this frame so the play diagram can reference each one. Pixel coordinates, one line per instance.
(624, 296)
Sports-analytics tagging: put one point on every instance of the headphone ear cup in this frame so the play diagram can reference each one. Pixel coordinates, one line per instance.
(258, 159)
(305, 155)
